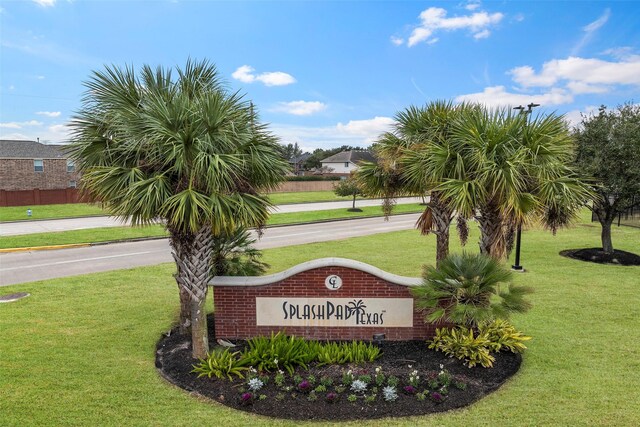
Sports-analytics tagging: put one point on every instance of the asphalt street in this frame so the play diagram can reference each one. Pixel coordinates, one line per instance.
(21, 267)
(46, 226)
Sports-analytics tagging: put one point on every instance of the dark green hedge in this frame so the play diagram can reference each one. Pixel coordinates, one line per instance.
(313, 178)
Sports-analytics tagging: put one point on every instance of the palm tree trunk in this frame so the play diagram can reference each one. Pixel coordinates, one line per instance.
(437, 219)
(191, 253)
(492, 238)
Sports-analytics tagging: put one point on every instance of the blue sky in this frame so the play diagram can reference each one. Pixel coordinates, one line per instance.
(324, 73)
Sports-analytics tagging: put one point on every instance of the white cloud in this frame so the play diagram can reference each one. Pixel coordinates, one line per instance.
(45, 3)
(581, 88)
(245, 74)
(54, 133)
(357, 133)
(49, 113)
(574, 117)
(482, 34)
(498, 96)
(589, 71)
(598, 23)
(397, 40)
(20, 125)
(622, 52)
(472, 5)
(276, 78)
(590, 29)
(39, 77)
(435, 18)
(369, 129)
(300, 108)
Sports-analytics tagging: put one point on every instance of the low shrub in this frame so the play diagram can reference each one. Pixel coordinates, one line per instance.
(221, 364)
(279, 351)
(475, 346)
(501, 334)
(463, 344)
(312, 178)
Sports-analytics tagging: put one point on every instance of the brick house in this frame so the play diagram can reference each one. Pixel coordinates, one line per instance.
(29, 165)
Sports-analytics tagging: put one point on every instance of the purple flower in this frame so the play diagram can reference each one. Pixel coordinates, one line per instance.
(304, 385)
(437, 397)
(409, 389)
(331, 397)
(246, 397)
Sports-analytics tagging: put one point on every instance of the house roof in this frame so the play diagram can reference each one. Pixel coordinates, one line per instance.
(300, 158)
(353, 156)
(15, 149)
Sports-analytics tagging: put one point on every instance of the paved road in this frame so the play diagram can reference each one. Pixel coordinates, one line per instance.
(29, 227)
(20, 267)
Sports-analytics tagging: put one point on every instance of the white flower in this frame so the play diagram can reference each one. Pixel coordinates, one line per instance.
(390, 394)
(378, 369)
(358, 386)
(441, 366)
(255, 384)
(275, 362)
(410, 366)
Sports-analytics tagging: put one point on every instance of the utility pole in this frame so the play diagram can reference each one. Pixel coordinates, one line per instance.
(526, 111)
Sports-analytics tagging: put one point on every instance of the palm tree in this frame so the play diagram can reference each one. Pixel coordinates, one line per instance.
(420, 135)
(184, 151)
(233, 254)
(469, 290)
(510, 171)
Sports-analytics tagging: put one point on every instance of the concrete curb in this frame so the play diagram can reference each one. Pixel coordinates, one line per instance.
(141, 239)
(45, 248)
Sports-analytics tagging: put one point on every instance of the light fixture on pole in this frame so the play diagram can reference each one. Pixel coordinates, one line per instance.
(526, 111)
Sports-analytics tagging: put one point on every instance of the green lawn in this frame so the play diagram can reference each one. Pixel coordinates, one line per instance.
(106, 234)
(16, 213)
(80, 350)
(305, 197)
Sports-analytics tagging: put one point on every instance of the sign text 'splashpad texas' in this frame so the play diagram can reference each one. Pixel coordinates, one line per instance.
(334, 312)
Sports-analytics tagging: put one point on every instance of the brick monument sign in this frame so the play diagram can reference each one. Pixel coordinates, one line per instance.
(324, 299)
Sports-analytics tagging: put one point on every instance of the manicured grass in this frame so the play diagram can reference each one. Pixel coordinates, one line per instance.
(306, 197)
(106, 234)
(80, 350)
(72, 210)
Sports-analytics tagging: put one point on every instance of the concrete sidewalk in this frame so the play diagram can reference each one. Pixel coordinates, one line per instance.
(53, 225)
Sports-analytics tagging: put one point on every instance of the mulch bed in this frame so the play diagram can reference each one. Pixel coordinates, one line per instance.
(598, 256)
(173, 360)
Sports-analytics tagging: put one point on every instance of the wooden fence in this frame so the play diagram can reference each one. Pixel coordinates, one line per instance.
(71, 195)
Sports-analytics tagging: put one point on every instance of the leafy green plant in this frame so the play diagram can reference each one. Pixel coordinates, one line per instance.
(502, 334)
(268, 353)
(349, 352)
(463, 344)
(466, 290)
(221, 364)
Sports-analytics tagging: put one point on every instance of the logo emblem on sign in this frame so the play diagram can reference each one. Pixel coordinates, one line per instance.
(333, 282)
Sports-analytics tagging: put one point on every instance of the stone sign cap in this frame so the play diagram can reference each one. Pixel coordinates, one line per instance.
(310, 265)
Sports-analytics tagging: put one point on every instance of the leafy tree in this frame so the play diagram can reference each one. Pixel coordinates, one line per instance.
(182, 150)
(233, 254)
(469, 290)
(290, 151)
(608, 152)
(348, 188)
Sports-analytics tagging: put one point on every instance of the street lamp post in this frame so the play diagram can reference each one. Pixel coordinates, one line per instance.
(517, 267)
